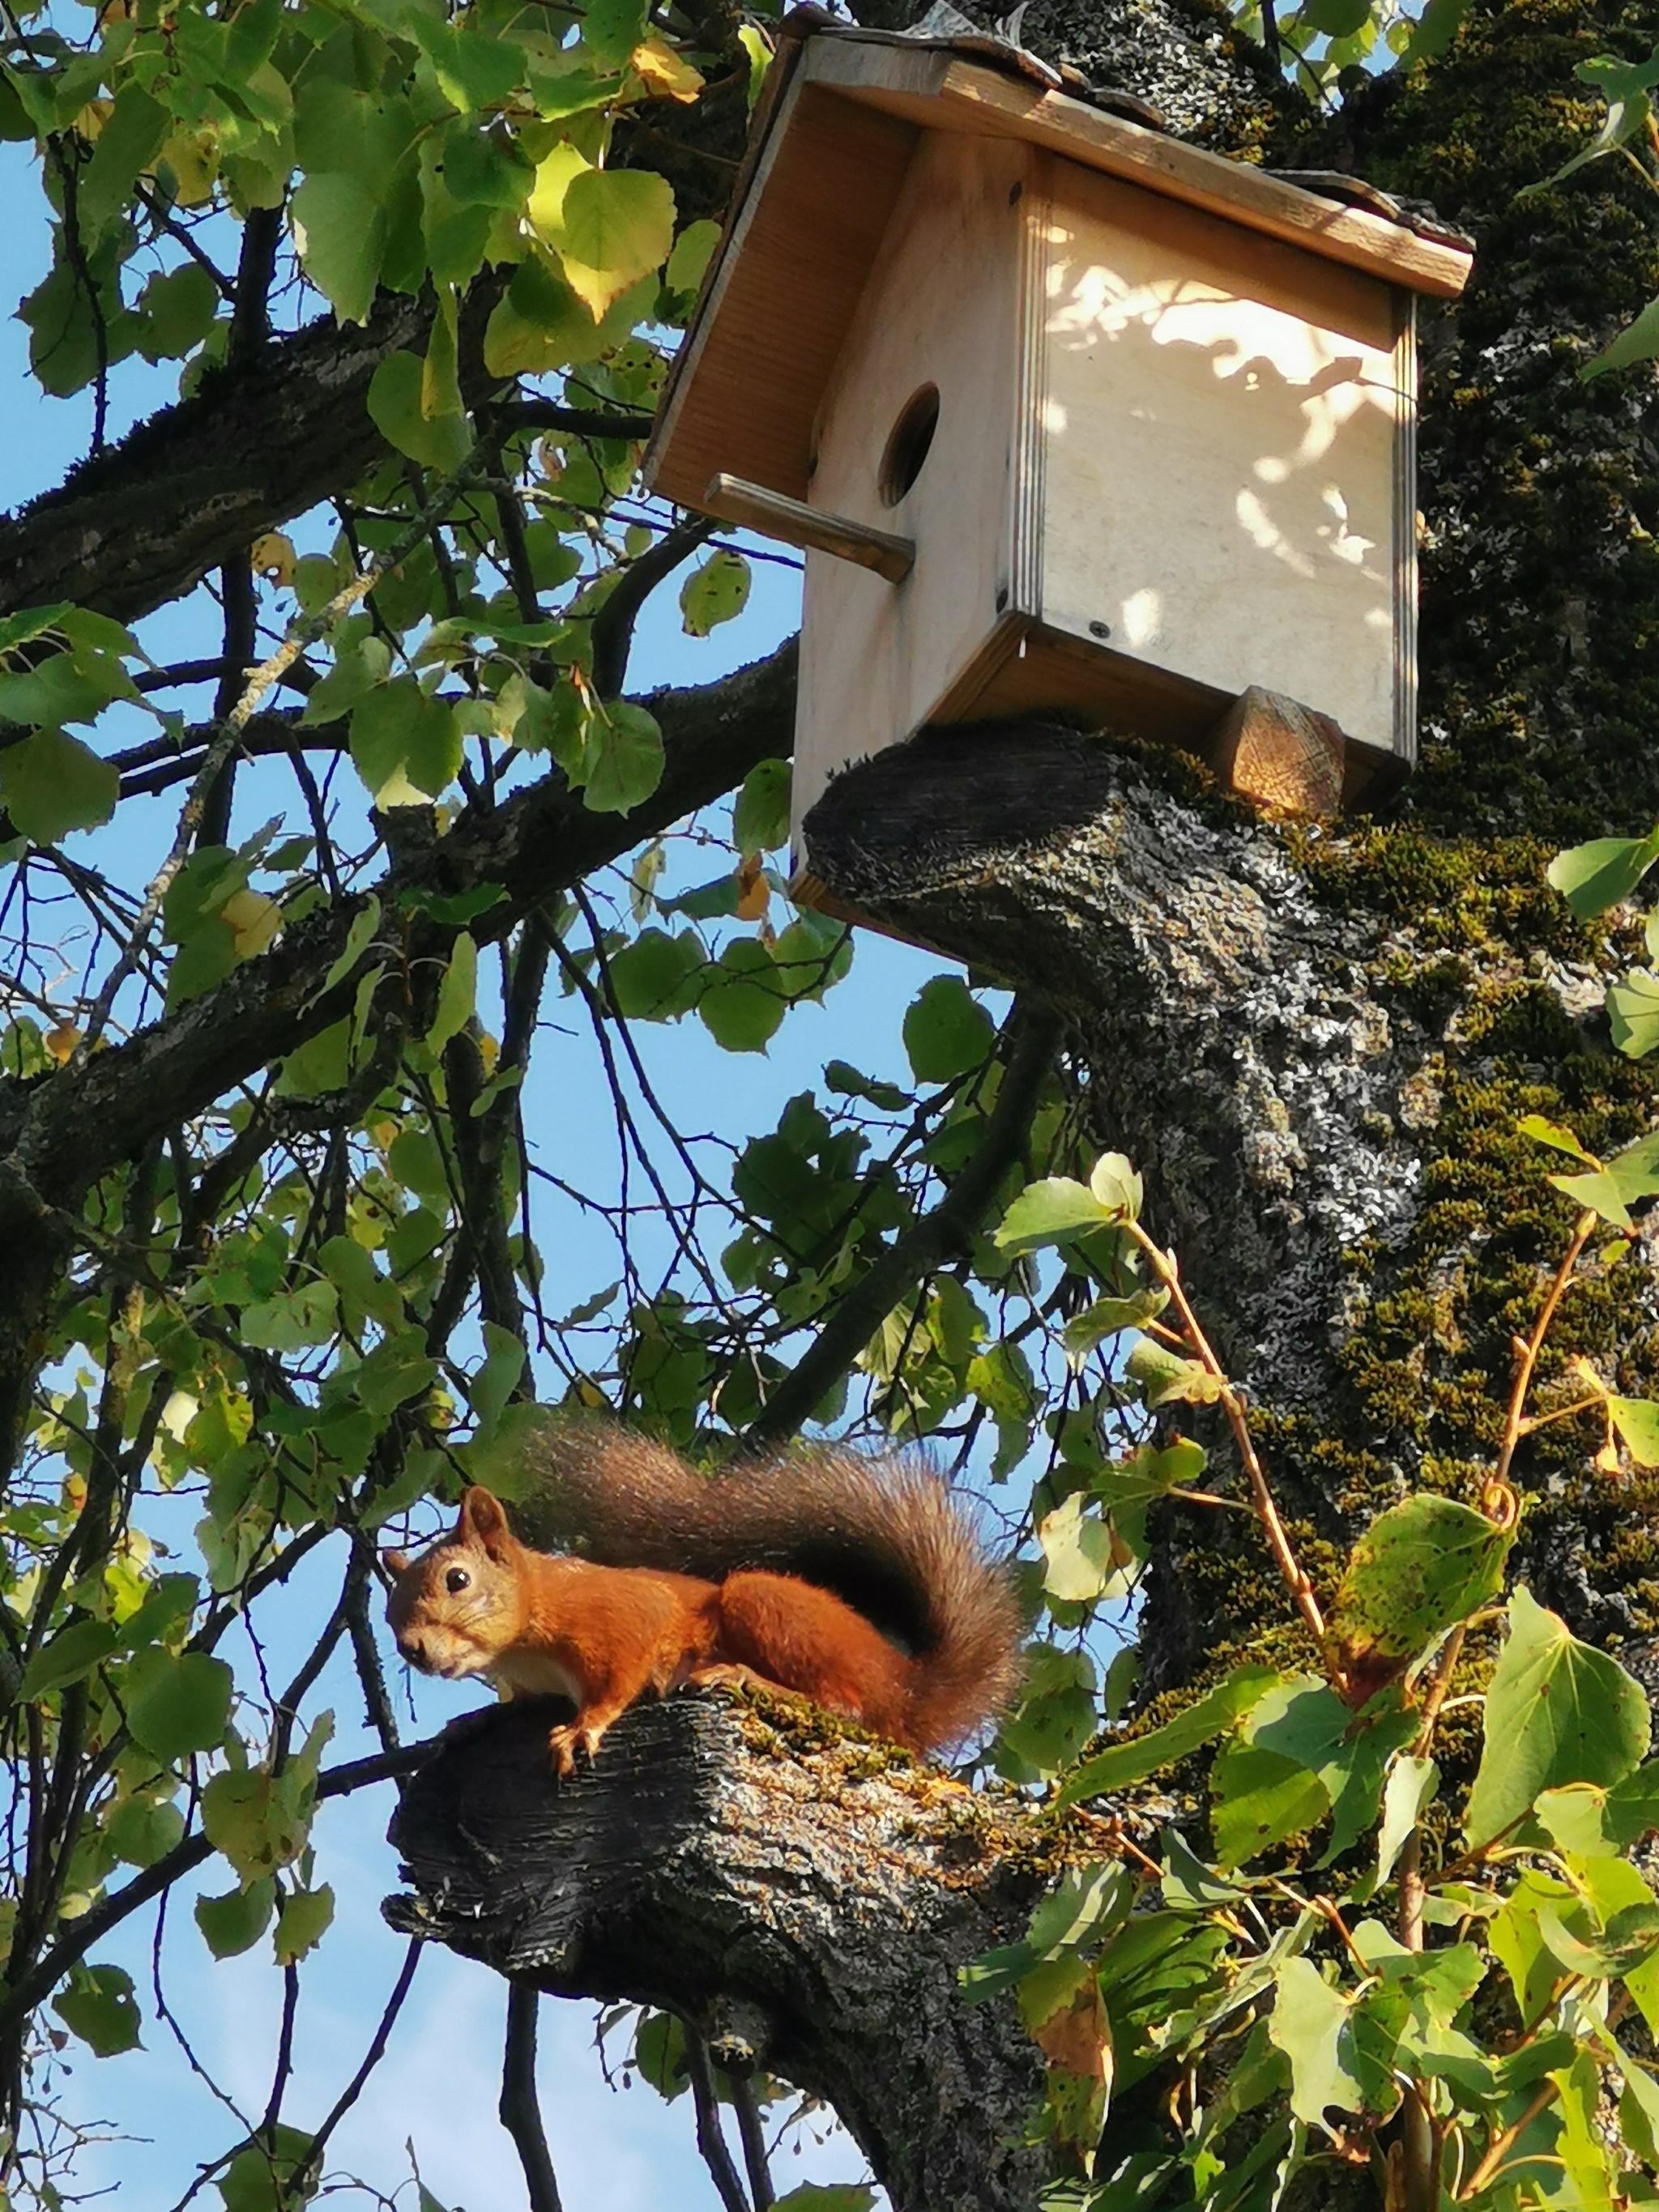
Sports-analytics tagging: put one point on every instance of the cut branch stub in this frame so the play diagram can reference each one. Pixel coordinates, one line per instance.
(803, 1902)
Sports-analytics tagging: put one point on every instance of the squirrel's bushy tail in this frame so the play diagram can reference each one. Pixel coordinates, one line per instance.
(884, 1533)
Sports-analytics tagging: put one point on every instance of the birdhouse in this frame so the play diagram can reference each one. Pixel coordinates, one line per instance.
(1068, 414)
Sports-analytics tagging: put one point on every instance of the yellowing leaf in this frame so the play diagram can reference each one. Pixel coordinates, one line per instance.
(273, 557)
(254, 920)
(555, 174)
(616, 226)
(668, 75)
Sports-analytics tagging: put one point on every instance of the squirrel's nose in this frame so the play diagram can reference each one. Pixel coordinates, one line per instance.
(414, 1650)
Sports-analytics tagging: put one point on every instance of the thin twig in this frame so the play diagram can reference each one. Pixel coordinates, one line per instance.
(753, 2135)
(1498, 1498)
(1033, 1033)
(711, 2141)
(519, 2108)
(348, 2097)
(1233, 1406)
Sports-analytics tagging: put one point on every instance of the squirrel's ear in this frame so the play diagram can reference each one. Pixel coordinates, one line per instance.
(482, 1519)
(397, 1562)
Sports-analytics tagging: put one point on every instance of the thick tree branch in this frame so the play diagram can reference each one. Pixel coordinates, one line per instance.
(193, 486)
(1033, 1034)
(799, 1907)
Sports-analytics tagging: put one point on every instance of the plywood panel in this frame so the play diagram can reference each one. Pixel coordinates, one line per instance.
(792, 270)
(1224, 418)
(943, 307)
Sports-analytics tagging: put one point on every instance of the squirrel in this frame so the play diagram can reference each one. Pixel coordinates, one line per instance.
(853, 1581)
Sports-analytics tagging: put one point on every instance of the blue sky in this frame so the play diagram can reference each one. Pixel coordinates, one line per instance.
(613, 2149)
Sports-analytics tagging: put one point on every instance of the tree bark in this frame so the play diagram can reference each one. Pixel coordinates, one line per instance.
(141, 523)
(1318, 1044)
(800, 1896)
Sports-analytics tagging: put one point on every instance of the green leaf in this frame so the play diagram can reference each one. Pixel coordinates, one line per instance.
(946, 1031)
(1150, 1472)
(99, 2006)
(398, 1368)
(1258, 1797)
(1560, 1140)
(400, 405)
(1310, 2023)
(1337, 19)
(1598, 1191)
(177, 1706)
(30, 623)
(693, 251)
(826, 2197)
(258, 1820)
(742, 1005)
(1077, 1550)
(714, 593)
(1557, 1711)
(1212, 1716)
(625, 758)
(1166, 1379)
(458, 993)
(616, 226)
(304, 1919)
(126, 146)
(52, 783)
(760, 819)
(141, 1832)
(1434, 30)
(293, 1320)
(653, 978)
(1638, 341)
(612, 28)
(340, 231)
(1421, 1566)
(177, 307)
(234, 1922)
(540, 324)
(1633, 1013)
(1411, 1785)
(1110, 1317)
(492, 1384)
(406, 746)
(1594, 877)
(1637, 1421)
(71, 1654)
(260, 2177)
(1049, 1213)
(358, 667)
(1056, 1715)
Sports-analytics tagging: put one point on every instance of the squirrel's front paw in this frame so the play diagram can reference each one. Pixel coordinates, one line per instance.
(565, 1742)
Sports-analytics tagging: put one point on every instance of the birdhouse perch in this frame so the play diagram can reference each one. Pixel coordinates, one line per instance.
(1068, 414)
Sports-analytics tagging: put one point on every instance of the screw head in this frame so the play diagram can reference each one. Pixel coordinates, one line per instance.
(1100, 630)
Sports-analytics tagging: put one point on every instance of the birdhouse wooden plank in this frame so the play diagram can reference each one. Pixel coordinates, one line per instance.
(1067, 413)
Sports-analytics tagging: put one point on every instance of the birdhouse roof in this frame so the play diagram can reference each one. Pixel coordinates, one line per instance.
(832, 137)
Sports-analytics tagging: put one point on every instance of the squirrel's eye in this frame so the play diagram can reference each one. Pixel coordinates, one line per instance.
(456, 1579)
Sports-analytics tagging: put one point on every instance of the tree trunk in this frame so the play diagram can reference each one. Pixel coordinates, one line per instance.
(1317, 1044)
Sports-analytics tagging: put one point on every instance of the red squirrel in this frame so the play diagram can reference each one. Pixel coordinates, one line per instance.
(786, 1573)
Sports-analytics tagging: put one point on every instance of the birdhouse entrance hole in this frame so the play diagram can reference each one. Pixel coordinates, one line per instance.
(907, 448)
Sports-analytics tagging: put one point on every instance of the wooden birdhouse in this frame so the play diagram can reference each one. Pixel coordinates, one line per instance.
(1067, 413)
